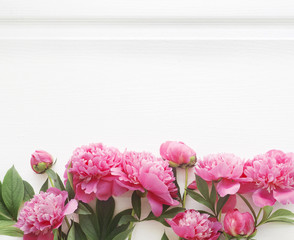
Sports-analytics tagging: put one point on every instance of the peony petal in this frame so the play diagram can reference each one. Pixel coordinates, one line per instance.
(246, 187)
(70, 207)
(163, 150)
(192, 185)
(117, 189)
(230, 204)
(263, 198)
(30, 236)
(130, 186)
(284, 196)
(104, 190)
(205, 174)
(90, 187)
(82, 196)
(54, 190)
(48, 236)
(152, 184)
(227, 186)
(156, 206)
(187, 232)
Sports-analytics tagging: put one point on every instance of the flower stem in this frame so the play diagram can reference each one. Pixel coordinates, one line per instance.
(186, 184)
(249, 206)
(131, 225)
(258, 215)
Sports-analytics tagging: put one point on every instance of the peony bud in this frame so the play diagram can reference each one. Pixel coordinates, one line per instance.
(178, 154)
(41, 161)
(238, 224)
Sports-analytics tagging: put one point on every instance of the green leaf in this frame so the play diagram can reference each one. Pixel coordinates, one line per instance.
(221, 202)
(4, 213)
(1, 199)
(177, 184)
(168, 214)
(164, 237)
(28, 191)
(104, 211)
(114, 223)
(60, 183)
(202, 187)
(7, 228)
(12, 191)
(136, 203)
(252, 235)
(212, 197)
(71, 235)
(56, 179)
(127, 219)
(89, 225)
(56, 234)
(281, 215)
(45, 186)
(172, 212)
(71, 193)
(267, 210)
(82, 209)
(117, 231)
(197, 197)
(123, 235)
(79, 234)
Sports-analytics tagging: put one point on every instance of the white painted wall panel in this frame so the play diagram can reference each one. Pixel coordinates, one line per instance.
(216, 96)
(143, 8)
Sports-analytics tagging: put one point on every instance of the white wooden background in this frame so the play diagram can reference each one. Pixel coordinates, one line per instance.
(217, 75)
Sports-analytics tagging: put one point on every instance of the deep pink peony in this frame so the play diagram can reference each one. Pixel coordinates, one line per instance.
(192, 225)
(91, 170)
(225, 168)
(178, 154)
(239, 224)
(43, 213)
(41, 161)
(145, 172)
(271, 176)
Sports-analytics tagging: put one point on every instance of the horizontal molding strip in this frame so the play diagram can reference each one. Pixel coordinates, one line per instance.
(147, 29)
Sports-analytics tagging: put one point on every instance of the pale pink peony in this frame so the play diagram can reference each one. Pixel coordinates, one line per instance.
(239, 224)
(192, 225)
(271, 176)
(41, 161)
(91, 171)
(43, 213)
(178, 154)
(225, 168)
(145, 172)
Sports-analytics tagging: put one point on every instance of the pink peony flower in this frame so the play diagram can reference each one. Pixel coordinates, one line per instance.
(192, 225)
(41, 161)
(43, 213)
(145, 172)
(271, 177)
(239, 224)
(178, 154)
(91, 170)
(225, 168)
